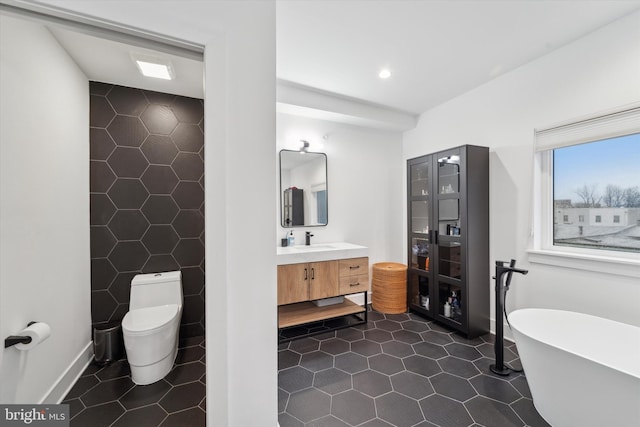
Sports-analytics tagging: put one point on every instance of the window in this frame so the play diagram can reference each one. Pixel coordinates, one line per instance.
(587, 169)
(600, 178)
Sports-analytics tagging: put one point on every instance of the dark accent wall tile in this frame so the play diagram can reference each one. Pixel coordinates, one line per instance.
(160, 209)
(101, 112)
(159, 149)
(146, 153)
(188, 195)
(128, 193)
(192, 280)
(102, 305)
(102, 241)
(188, 137)
(189, 252)
(193, 308)
(159, 119)
(121, 286)
(98, 88)
(102, 209)
(189, 223)
(127, 131)
(102, 274)
(100, 177)
(159, 97)
(127, 162)
(100, 144)
(160, 263)
(128, 225)
(160, 239)
(159, 179)
(128, 256)
(127, 101)
(188, 166)
(188, 110)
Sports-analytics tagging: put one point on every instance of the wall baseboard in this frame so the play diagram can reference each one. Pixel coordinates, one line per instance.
(61, 387)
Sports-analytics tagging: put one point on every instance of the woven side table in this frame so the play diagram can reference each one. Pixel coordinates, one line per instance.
(389, 287)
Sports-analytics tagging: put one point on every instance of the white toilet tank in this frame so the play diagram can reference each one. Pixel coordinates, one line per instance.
(154, 289)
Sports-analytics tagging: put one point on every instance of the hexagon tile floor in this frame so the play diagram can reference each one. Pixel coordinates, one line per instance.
(106, 396)
(399, 370)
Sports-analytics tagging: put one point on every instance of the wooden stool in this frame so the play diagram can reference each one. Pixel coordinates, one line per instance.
(389, 287)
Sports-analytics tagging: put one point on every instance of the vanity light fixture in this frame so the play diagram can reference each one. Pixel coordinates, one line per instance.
(150, 66)
(305, 146)
(385, 73)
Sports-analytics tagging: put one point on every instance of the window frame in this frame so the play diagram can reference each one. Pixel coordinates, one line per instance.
(621, 121)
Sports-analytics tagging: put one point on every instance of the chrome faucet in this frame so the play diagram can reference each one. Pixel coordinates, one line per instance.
(307, 238)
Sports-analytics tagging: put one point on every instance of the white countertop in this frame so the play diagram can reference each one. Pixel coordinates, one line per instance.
(320, 252)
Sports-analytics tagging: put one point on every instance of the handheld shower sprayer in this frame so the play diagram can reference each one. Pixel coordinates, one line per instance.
(502, 269)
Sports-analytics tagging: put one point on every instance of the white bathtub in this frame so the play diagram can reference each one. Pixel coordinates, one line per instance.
(582, 370)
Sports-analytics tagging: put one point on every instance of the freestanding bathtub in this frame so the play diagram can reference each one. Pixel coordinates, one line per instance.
(582, 370)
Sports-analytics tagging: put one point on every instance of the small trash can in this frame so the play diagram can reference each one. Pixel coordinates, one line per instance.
(108, 343)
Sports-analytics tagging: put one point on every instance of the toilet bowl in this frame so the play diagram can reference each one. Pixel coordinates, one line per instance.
(151, 326)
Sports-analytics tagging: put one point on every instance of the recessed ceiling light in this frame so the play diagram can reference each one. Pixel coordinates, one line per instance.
(159, 71)
(151, 66)
(384, 74)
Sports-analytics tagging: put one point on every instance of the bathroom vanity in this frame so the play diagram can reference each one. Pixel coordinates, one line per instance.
(314, 280)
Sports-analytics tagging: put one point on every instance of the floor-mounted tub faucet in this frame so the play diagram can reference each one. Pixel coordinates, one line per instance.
(307, 238)
(501, 292)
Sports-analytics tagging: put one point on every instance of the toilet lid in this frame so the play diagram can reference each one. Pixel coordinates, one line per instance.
(149, 318)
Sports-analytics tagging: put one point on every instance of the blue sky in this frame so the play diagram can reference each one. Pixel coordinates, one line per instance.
(612, 161)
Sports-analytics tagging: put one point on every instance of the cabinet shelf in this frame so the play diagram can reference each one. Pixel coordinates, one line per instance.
(307, 312)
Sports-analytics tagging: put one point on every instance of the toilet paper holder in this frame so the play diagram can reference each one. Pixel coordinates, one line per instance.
(17, 339)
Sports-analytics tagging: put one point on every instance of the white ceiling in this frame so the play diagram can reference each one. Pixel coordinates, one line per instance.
(436, 50)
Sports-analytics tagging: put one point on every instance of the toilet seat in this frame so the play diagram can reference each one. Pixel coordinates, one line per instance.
(145, 321)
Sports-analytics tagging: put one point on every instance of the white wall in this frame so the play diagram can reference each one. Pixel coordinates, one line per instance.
(364, 186)
(44, 212)
(595, 73)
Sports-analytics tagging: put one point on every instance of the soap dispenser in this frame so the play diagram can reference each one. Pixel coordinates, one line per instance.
(291, 239)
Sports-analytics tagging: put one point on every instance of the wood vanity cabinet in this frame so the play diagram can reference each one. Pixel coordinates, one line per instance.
(300, 284)
(304, 282)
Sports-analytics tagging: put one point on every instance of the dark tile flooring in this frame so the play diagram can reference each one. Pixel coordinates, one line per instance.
(106, 396)
(399, 370)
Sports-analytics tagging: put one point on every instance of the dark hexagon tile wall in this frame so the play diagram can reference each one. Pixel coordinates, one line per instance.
(147, 197)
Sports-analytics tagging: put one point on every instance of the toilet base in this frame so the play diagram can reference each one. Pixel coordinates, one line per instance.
(149, 374)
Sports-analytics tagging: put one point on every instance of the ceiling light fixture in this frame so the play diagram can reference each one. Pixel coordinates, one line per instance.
(150, 66)
(384, 74)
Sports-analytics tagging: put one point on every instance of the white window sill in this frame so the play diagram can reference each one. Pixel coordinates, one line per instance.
(629, 267)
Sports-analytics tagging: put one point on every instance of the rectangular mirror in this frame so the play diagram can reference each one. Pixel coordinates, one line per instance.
(303, 189)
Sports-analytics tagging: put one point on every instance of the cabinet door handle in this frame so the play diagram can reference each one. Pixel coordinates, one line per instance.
(313, 273)
(435, 237)
(351, 267)
(306, 276)
(354, 284)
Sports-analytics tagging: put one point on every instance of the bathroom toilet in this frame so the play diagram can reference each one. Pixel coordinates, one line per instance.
(151, 326)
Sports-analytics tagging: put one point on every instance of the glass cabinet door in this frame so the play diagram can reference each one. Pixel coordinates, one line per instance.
(449, 174)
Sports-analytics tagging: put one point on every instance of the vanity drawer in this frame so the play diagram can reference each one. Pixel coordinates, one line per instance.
(354, 267)
(352, 284)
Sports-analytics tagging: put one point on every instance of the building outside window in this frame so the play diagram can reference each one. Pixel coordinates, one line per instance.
(580, 218)
(616, 219)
